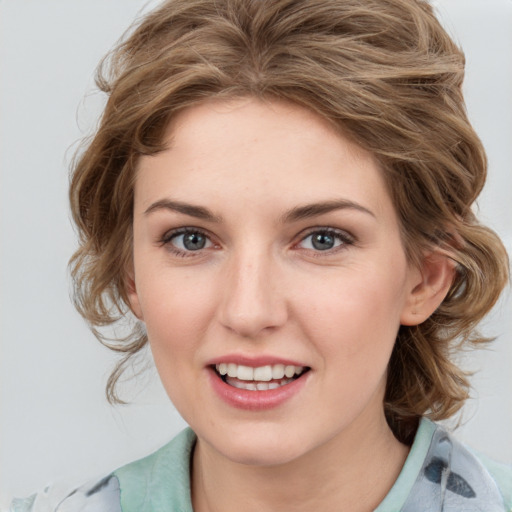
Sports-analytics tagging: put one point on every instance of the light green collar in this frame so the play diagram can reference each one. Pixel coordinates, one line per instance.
(396, 497)
(161, 481)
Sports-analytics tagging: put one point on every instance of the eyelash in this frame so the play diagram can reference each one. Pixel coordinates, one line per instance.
(166, 240)
(343, 237)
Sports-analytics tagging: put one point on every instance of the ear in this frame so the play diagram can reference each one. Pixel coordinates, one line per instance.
(131, 290)
(429, 285)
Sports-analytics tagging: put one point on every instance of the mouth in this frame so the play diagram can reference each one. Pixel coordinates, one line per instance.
(260, 378)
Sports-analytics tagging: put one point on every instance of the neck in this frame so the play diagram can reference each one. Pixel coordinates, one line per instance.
(354, 470)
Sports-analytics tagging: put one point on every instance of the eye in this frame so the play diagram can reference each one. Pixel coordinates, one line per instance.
(325, 240)
(186, 240)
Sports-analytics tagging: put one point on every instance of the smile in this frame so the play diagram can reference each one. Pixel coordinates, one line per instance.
(260, 378)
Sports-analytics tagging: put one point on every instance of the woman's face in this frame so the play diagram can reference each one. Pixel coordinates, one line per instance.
(266, 246)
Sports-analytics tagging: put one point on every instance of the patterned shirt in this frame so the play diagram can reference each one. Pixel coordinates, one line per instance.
(439, 475)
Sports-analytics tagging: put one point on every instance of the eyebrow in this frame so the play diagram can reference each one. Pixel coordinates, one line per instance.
(312, 210)
(199, 212)
(295, 214)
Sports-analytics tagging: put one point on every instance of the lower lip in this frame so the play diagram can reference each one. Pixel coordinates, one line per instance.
(255, 400)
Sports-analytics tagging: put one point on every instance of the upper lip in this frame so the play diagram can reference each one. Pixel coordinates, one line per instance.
(254, 361)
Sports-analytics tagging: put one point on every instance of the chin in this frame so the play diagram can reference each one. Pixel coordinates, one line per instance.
(263, 456)
(259, 446)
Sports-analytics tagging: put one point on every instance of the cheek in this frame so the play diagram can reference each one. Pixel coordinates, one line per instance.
(177, 309)
(354, 313)
(177, 316)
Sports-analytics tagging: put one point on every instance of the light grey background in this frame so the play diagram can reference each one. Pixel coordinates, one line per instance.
(55, 422)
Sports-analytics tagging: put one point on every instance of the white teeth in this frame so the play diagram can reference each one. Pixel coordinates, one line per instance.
(232, 370)
(251, 386)
(245, 373)
(278, 371)
(258, 386)
(289, 371)
(261, 373)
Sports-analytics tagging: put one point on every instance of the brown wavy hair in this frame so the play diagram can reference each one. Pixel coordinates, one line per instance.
(385, 72)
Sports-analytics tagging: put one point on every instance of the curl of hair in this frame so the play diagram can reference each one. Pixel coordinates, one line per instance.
(385, 73)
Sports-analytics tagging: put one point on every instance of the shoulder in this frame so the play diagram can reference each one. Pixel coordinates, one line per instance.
(160, 481)
(454, 477)
(501, 474)
(98, 496)
(156, 482)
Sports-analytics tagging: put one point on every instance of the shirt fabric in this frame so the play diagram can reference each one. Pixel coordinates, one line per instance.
(439, 475)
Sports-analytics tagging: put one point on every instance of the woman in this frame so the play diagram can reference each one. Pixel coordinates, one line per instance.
(280, 193)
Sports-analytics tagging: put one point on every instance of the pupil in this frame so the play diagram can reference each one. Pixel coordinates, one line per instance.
(322, 241)
(194, 241)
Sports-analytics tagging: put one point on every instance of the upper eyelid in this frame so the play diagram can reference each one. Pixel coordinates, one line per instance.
(326, 229)
(166, 242)
(346, 238)
(171, 233)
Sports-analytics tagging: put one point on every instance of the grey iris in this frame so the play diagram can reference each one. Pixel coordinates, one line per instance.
(194, 241)
(322, 241)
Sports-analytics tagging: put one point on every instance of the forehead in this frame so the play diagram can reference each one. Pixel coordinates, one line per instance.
(245, 122)
(275, 150)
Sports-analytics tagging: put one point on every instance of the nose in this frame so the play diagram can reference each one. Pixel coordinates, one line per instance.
(253, 296)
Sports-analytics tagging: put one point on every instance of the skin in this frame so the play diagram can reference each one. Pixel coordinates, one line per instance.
(260, 287)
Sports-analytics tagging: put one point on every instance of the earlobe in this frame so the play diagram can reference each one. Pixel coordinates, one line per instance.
(133, 296)
(432, 283)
